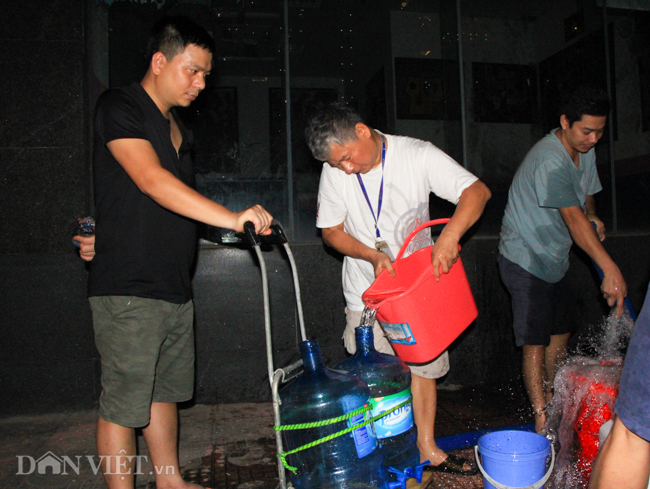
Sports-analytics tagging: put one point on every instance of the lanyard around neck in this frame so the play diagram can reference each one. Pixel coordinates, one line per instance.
(381, 188)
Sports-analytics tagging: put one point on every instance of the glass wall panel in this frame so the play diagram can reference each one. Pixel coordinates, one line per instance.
(400, 63)
(453, 123)
(339, 51)
(520, 58)
(629, 33)
(386, 58)
(500, 95)
(573, 48)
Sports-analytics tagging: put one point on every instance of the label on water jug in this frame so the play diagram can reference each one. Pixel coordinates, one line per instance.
(399, 333)
(397, 422)
(365, 438)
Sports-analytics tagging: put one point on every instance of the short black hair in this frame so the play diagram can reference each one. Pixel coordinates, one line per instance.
(171, 35)
(333, 123)
(587, 99)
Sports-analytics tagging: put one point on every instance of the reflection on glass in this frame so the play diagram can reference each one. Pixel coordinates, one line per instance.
(398, 62)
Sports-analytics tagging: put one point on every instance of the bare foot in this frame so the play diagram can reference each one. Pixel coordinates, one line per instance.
(436, 456)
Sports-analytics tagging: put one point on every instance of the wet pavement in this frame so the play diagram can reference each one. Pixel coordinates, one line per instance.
(221, 446)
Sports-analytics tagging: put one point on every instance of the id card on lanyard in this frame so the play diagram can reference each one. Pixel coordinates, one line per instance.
(380, 243)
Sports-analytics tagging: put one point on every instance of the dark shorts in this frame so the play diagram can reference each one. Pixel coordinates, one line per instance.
(147, 354)
(633, 404)
(539, 308)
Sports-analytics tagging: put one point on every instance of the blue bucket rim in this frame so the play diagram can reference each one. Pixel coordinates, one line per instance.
(523, 455)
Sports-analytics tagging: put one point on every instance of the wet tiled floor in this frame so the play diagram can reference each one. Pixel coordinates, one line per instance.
(221, 446)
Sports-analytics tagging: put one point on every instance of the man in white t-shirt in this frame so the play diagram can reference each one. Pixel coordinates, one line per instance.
(374, 190)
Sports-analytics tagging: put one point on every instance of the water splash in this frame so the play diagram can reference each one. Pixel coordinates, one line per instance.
(586, 387)
(368, 316)
(616, 335)
(607, 339)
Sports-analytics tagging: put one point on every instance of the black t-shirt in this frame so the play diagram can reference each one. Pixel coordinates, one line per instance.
(142, 249)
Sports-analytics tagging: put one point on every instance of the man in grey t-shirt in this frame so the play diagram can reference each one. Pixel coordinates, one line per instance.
(550, 206)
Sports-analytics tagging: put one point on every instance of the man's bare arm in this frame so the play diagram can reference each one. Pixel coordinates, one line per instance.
(613, 286)
(337, 238)
(590, 212)
(140, 161)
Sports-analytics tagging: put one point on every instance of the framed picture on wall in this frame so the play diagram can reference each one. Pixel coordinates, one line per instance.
(503, 92)
(427, 89)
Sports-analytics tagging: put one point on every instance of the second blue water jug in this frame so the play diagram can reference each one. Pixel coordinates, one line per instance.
(352, 460)
(389, 380)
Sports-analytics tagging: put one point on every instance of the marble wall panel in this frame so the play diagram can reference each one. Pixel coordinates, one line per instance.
(48, 361)
(229, 311)
(43, 192)
(232, 376)
(43, 179)
(44, 20)
(487, 352)
(45, 314)
(229, 301)
(320, 270)
(48, 388)
(42, 92)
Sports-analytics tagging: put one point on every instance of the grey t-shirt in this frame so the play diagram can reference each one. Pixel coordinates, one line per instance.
(533, 233)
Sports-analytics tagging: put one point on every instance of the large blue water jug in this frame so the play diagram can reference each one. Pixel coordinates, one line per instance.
(352, 460)
(389, 380)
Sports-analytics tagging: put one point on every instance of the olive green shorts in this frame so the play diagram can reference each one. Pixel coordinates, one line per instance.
(147, 355)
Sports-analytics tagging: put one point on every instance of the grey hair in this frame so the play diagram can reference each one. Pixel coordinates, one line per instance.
(334, 123)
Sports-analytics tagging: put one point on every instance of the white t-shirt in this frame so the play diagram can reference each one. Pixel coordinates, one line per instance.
(412, 169)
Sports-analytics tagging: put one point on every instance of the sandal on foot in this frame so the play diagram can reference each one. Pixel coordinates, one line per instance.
(452, 465)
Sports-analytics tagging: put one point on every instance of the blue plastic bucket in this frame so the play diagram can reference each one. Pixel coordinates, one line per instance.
(514, 459)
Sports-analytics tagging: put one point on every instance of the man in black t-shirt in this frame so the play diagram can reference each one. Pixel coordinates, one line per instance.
(139, 285)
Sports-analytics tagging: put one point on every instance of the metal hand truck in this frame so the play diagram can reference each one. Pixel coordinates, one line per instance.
(280, 375)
